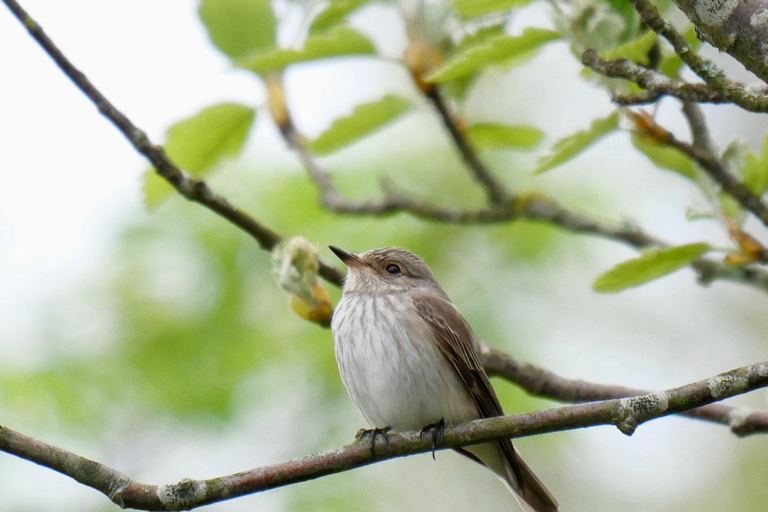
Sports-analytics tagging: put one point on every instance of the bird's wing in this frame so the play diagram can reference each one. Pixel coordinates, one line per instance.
(456, 340)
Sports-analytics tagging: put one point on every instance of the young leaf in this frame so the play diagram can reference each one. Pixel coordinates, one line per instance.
(474, 8)
(651, 264)
(496, 135)
(239, 27)
(334, 12)
(197, 143)
(756, 170)
(568, 147)
(494, 50)
(363, 120)
(635, 50)
(340, 40)
(663, 156)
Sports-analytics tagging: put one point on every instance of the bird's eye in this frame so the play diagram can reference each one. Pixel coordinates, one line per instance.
(393, 269)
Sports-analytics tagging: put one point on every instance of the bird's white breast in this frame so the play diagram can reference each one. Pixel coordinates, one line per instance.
(391, 365)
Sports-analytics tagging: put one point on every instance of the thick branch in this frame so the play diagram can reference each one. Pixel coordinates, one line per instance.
(626, 413)
(546, 384)
(191, 188)
(738, 28)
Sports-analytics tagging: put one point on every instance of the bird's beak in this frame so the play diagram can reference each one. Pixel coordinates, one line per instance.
(349, 259)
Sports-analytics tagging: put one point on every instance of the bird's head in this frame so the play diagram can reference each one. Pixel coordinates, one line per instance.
(385, 270)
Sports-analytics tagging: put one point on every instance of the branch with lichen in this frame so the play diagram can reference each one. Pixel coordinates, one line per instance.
(712, 75)
(736, 27)
(656, 83)
(544, 383)
(625, 413)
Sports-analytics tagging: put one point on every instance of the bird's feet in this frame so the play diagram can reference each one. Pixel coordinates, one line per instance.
(437, 431)
(373, 433)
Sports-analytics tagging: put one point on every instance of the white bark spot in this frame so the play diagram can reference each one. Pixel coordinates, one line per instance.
(759, 18)
(727, 385)
(715, 12)
(181, 496)
(762, 370)
(657, 81)
(641, 406)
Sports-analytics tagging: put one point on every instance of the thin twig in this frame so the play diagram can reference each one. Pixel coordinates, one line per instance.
(708, 71)
(698, 125)
(656, 83)
(546, 384)
(626, 413)
(191, 188)
(719, 172)
(497, 195)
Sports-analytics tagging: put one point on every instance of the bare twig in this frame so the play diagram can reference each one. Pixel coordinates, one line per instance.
(698, 125)
(546, 384)
(496, 193)
(719, 172)
(708, 71)
(626, 413)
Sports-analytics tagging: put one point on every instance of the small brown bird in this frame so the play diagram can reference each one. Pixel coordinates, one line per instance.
(408, 360)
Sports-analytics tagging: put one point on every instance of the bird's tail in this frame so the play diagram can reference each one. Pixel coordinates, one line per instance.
(525, 486)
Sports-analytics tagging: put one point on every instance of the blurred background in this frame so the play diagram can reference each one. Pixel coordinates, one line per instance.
(159, 344)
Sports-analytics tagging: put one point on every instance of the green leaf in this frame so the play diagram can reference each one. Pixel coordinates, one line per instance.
(495, 50)
(335, 12)
(363, 120)
(663, 156)
(756, 170)
(239, 27)
(652, 264)
(340, 40)
(197, 143)
(473, 8)
(568, 147)
(496, 135)
(635, 50)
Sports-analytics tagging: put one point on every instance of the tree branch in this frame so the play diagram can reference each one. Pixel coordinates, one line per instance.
(496, 193)
(191, 188)
(738, 28)
(626, 413)
(719, 172)
(708, 71)
(534, 207)
(657, 84)
(543, 383)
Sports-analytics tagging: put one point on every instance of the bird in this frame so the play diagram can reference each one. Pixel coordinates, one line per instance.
(408, 360)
